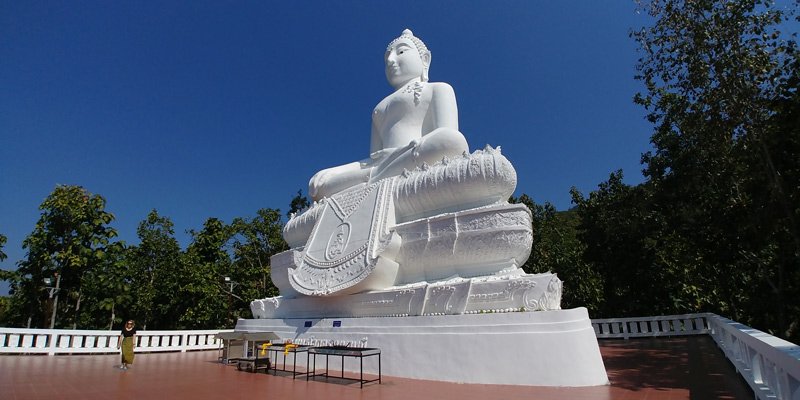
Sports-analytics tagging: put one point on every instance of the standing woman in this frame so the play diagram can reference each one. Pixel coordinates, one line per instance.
(127, 339)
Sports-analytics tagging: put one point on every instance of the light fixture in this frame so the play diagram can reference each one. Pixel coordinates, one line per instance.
(53, 292)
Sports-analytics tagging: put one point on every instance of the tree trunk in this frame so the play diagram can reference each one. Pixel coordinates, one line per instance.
(77, 311)
(111, 324)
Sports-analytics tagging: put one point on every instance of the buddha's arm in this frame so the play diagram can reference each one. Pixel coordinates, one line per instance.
(375, 143)
(444, 110)
(377, 149)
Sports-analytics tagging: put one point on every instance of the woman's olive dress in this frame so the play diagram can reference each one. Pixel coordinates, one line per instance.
(127, 345)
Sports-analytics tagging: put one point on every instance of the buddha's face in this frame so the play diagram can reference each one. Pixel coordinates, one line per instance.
(404, 63)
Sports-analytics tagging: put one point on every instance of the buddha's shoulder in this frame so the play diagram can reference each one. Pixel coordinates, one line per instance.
(439, 84)
(440, 87)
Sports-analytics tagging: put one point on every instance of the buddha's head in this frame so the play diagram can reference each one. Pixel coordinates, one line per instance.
(407, 58)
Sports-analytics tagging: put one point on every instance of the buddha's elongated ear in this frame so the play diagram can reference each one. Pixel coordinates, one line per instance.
(426, 58)
(426, 62)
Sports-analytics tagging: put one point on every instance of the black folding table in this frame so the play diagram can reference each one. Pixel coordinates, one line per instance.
(343, 352)
(276, 348)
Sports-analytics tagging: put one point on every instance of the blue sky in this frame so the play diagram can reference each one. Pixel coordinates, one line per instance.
(216, 109)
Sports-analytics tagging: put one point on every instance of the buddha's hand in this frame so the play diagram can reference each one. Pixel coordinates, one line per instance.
(414, 145)
(382, 153)
(377, 155)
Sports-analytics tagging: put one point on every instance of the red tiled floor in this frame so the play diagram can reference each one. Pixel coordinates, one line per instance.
(654, 369)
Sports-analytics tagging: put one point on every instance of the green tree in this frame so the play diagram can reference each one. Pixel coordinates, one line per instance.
(621, 238)
(299, 204)
(556, 248)
(5, 303)
(4, 276)
(70, 239)
(3, 240)
(154, 265)
(714, 226)
(714, 73)
(107, 290)
(254, 242)
(203, 297)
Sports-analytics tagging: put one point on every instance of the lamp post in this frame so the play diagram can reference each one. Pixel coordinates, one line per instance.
(231, 285)
(53, 291)
(228, 281)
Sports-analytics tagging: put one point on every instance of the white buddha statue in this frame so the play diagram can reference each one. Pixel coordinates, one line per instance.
(421, 209)
(423, 227)
(417, 124)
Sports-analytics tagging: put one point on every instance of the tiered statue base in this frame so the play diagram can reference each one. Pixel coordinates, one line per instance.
(545, 348)
(507, 293)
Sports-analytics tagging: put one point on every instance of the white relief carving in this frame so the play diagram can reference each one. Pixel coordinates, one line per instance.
(338, 241)
(551, 299)
(347, 243)
(346, 202)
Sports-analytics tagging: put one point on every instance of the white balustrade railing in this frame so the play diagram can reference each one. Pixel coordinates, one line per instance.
(770, 365)
(64, 341)
(664, 325)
